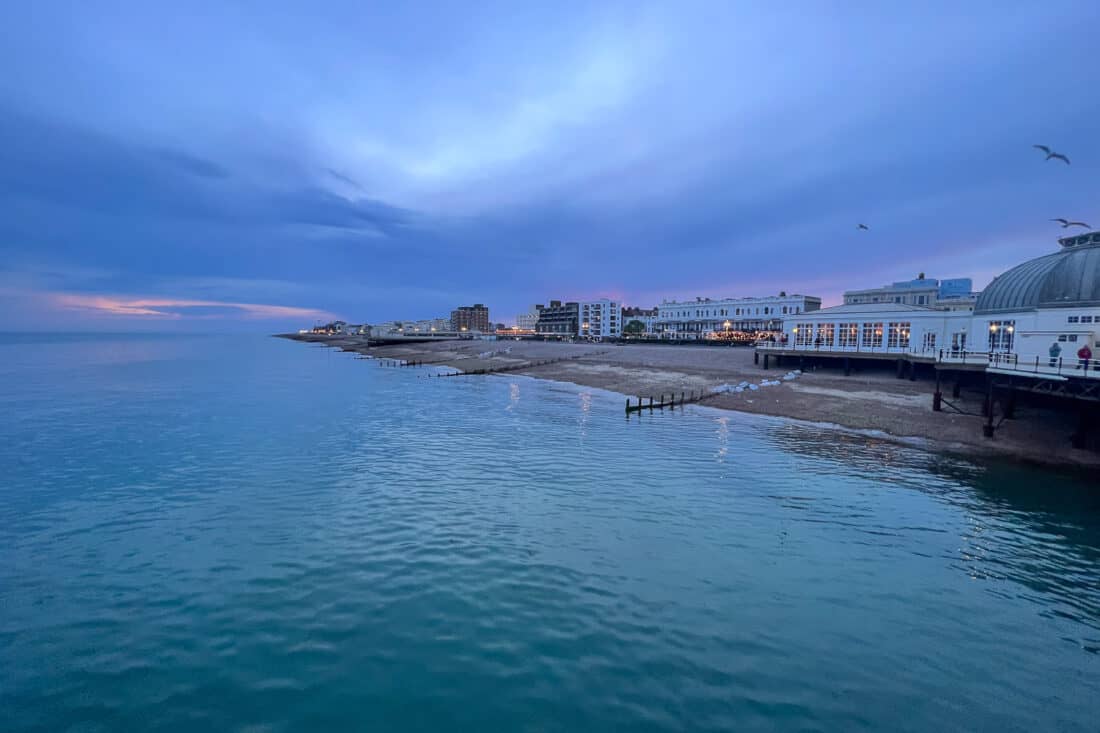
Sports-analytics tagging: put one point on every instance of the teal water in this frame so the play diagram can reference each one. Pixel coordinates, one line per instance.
(226, 534)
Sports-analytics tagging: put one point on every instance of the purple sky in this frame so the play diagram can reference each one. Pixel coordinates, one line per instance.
(262, 166)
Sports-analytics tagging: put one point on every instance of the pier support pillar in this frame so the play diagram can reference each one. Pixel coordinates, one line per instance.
(766, 357)
(956, 389)
(847, 367)
(937, 396)
(912, 371)
(1010, 403)
(987, 410)
(756, 357)
(901, 368)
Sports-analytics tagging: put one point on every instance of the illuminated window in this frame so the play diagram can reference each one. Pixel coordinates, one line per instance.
(872, 335)
(1001, 335)
(898, 335)
(847, 335)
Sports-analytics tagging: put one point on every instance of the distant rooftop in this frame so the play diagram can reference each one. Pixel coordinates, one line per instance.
(872, 308)
(745, 299)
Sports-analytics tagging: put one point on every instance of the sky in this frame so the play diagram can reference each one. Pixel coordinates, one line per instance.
(265, 165)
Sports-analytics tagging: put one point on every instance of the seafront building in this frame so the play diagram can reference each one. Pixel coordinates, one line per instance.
(953, 294)
(706, 317)
(559, 319)
(1037, 314)
(470, 318)
(599, 319)
(645, 316)
(429, 325)
(527, 321)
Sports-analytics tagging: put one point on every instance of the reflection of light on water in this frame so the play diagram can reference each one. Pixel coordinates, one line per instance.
(723, 433)
(586, 409)
(513, 395)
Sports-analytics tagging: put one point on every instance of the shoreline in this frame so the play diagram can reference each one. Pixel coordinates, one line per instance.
(871, 403)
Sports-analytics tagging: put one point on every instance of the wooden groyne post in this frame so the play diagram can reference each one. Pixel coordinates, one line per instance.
(670, 401)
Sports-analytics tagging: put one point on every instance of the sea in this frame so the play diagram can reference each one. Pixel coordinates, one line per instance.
(244, 533)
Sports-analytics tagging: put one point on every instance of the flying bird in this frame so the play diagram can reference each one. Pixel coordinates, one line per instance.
(1066, 223)
(1051, 154)
(864, 226)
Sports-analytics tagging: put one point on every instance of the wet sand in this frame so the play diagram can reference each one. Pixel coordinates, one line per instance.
(870, 400)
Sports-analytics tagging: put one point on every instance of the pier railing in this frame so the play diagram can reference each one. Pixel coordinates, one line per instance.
(870, 350)
(1064, 366)
(1037, 365)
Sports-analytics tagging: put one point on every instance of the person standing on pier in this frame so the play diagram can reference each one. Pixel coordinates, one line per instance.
(1085, 355)
(1055, 352)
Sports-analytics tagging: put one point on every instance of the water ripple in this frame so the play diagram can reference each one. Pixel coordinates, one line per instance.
(258, 536)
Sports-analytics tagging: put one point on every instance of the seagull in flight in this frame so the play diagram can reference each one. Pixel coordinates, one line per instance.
(864, 226)
(1066, 223)
(1051, 154)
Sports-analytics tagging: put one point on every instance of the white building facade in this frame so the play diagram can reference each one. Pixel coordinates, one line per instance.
(429, 325)
(703, 316)
(877, 328)
(599, 319)
(527, 321)
(1036, 316)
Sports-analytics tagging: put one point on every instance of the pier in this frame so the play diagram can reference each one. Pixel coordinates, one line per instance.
(1001, 379)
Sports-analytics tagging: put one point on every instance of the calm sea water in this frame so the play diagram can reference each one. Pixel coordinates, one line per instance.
(206, 533)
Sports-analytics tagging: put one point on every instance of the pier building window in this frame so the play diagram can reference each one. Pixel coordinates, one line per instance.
(1072, 319)
(1086, 319)
(847, 335)
(929, 341)
(1001, 335)
(898, 337)
(825, 334)
(872, 335)
(803, 334)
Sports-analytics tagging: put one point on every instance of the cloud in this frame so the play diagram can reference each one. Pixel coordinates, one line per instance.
(402, 168)
(174, 308)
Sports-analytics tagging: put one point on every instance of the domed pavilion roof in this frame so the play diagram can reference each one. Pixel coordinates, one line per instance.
(1069, 278)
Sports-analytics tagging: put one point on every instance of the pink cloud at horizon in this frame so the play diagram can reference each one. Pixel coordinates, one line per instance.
(155, 307)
